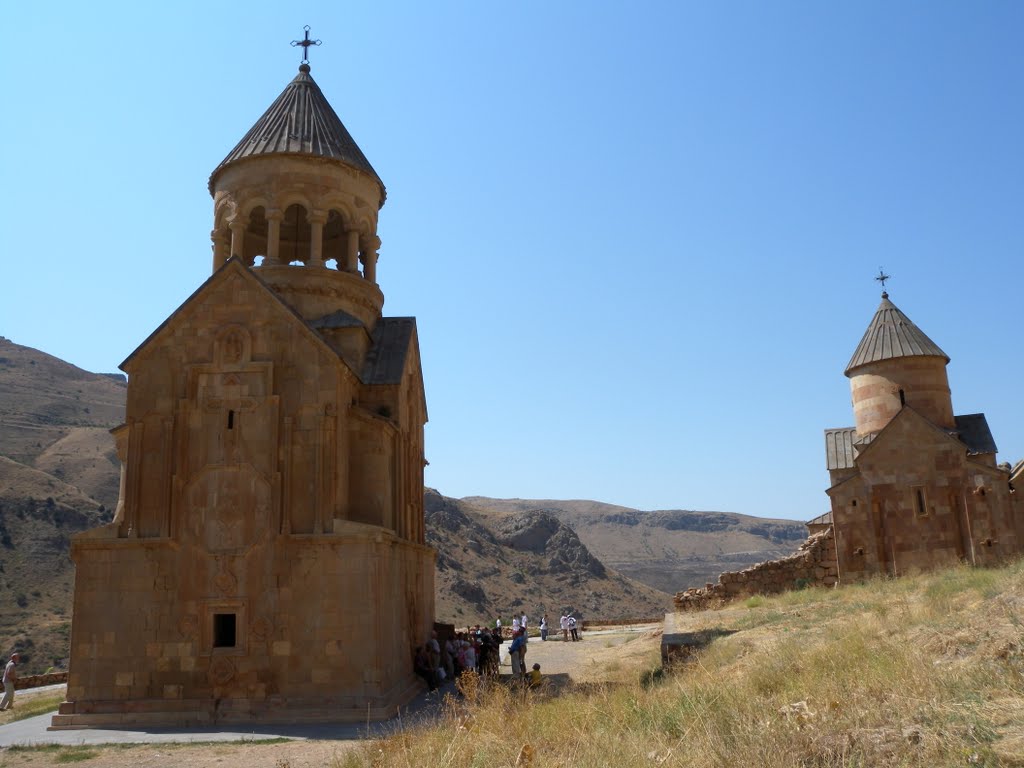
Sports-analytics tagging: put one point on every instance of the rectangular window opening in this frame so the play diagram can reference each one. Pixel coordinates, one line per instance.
(224, 630)
(231, 419)
(920, 507)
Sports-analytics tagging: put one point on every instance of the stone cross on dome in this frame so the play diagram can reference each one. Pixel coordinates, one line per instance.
(305, 43)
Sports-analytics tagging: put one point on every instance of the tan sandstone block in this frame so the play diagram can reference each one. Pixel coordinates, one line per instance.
(172, 691)
(124, 678)
(282, 648)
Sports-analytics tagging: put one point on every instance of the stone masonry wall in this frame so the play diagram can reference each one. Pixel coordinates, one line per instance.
(36, 681)
(814, 564)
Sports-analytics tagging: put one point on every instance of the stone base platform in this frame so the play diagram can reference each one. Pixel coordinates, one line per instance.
(679, 642)
(180, 713)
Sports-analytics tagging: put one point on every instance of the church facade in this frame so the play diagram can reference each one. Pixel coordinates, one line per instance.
(267, 556)
(914, 486)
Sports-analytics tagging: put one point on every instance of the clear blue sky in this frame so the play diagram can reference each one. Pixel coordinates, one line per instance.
(639, 238)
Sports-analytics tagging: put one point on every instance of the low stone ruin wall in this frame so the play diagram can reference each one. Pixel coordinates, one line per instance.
(36, 681)
(622, 622)
(814, 564)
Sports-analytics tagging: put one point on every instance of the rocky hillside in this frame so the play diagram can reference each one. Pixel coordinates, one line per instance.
(524, 562)
(56, 418)
(58, 475)
(668, 550)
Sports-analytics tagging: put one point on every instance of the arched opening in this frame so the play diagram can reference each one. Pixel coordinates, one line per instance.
(255, 245)
(296, 235)
(335, 241)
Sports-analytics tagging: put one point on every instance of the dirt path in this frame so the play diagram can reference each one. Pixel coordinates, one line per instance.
(291, 754)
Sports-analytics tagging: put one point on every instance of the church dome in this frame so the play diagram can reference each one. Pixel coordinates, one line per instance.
(892, 335)
(895, 365)
(300, 122)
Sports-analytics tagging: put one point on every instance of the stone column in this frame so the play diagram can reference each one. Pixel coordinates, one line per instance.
(370, 257)
(352, 252)
(237, 225)
(221, 247)
(316, 238)
(274, 218)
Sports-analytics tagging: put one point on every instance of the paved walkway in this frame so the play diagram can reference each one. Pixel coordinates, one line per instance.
(428, 705)
(32, 730)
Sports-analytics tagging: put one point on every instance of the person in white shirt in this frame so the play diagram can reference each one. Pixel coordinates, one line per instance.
(544, 627)
(563, 624)
(10, 678)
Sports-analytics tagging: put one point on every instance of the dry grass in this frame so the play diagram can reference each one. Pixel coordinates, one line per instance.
(31, 704)
(921, 671)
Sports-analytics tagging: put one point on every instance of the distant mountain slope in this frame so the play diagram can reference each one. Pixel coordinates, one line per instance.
(527, 562)
(668, 550)
(58, 475)
(55, 417)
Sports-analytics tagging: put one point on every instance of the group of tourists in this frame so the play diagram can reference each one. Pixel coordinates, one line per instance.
(476, 649)
(517, 657)
(479, 649)
(567, 624)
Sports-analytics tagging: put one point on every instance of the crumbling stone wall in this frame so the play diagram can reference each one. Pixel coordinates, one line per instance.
(814, 564)
(35, 681)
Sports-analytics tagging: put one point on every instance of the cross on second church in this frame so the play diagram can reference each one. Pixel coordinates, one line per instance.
(305, 42)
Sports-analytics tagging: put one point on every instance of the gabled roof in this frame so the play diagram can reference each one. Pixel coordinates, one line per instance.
(301, 122)
(234, 266)
(337, 319)
(839, 447)
(385, 360)
(973, 431)
(906, 412)
(825, 519)
(892, 335)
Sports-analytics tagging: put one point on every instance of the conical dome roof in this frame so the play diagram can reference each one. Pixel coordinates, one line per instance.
(891, 335)
(300, 122)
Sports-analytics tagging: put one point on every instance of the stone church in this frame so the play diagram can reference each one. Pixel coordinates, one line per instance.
(267, 558)
(914, 486)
